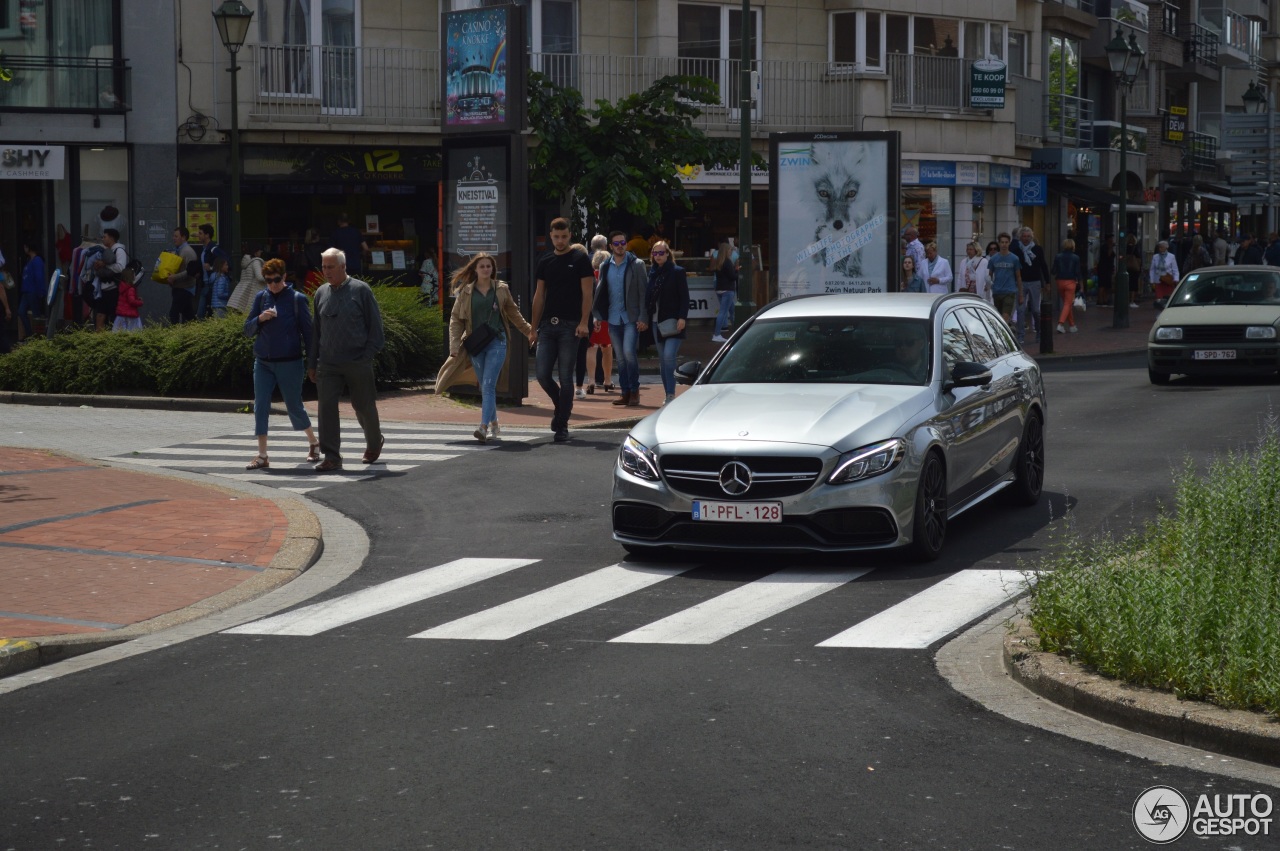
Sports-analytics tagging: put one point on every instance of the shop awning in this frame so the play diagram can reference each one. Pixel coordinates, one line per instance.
(1091, 195)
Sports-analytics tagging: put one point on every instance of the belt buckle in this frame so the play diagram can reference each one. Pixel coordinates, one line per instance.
(555, 320)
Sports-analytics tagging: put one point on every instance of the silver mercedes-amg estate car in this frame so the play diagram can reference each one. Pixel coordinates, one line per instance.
(837, 422)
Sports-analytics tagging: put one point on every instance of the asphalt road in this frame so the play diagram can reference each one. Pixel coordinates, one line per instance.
(557, 737)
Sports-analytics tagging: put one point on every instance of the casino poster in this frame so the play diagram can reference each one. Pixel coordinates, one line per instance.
(475, 68)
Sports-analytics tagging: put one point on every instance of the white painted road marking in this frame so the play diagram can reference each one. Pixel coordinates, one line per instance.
(738, 609)
(552, 604)
(934, 613)
(432, 582)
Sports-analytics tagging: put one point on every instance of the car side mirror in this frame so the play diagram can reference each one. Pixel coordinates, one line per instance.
(688, 372)
(968, 373)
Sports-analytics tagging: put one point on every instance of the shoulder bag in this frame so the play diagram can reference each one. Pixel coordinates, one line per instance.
(481, 335)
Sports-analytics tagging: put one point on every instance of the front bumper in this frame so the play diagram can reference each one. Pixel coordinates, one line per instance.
(1252, 358)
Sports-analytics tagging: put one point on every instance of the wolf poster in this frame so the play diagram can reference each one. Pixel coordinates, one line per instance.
(836, 200)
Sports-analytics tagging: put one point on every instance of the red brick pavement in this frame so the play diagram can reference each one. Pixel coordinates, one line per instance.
(78, 555)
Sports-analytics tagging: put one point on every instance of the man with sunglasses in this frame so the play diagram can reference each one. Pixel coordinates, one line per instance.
(561, 311)
(620, 303)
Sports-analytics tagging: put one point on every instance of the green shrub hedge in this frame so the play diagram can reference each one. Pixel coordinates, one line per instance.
(210, 357)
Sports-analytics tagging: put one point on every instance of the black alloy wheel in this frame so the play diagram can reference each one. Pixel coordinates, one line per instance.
(929, 526)
(1029, 466)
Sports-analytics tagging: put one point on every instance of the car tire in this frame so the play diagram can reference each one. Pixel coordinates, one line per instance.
(929, 520)
(1159, 378)
(1029, 462)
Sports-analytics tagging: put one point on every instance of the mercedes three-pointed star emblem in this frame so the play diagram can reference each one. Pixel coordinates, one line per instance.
(735, 478)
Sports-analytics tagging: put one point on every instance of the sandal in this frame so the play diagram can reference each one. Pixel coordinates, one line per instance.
(259, 463)
(313, 453)
(609, 388)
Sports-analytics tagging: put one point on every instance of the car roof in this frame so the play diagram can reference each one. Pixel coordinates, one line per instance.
(1231, 270)
(887, 305)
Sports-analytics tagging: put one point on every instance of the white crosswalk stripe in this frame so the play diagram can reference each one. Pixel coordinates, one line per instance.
(935, 612)
(914, 623)
(560, 601)
(408, 446)
(319, 617)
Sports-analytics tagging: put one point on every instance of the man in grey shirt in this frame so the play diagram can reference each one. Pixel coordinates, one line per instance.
(348, 335)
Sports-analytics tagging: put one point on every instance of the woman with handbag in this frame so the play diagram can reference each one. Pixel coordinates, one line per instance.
(1163, 273)
(973, 273)
(668, 303)
(251, 281)
(478, 330)
(1066, 271)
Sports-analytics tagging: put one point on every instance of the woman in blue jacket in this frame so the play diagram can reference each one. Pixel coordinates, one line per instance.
(32, 297)
(280, 323)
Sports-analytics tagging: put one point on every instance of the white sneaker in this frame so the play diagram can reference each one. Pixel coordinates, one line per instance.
(1133, 304)
(494, 431)
(1061, 328)
(1073, 329)
(718, 339)
(580, 394)
(481, 434)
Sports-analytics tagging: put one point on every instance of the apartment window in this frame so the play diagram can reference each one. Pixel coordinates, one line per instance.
(709, 39)
(983, 40)
(551, 26)
(1018, 53)
(310, 44)
(62, 54)
(857, 39)
(9, 20)
(925, 36)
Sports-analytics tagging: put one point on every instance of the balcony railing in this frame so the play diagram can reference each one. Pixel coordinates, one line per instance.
(1068, 121)
(929, 83)
(398, 85)
(1203, 151)
(1200, 44)
(65, 84)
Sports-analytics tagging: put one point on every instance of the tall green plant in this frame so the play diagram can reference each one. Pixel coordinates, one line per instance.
(623, 156)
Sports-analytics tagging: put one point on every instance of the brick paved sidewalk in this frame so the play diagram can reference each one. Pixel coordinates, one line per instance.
(89, 550)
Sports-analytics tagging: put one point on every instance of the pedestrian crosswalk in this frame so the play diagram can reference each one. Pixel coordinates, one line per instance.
(916, 622)
(408, 446)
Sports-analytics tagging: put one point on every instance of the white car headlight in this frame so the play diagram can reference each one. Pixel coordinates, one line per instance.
(638, 460)
(868, 461)
(1260, 332)
(1169, 333)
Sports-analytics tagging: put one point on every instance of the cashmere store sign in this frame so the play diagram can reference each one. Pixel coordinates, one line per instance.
(20, 162)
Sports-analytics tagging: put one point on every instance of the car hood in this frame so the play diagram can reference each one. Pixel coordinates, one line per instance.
(1219, 314)
(842, 416)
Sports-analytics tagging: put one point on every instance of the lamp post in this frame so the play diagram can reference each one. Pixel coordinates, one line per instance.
(746, 292)
(232, 18)
(1125, 59)
(1256, 101)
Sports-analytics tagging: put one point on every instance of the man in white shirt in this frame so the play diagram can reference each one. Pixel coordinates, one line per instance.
(936, 270)
(914, 248)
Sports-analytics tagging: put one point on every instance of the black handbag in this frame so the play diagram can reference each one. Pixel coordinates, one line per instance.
(478, 339)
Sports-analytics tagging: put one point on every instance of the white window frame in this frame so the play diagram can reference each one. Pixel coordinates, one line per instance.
(534, 9)
(315, 53)
(725, 58)
(860, 63)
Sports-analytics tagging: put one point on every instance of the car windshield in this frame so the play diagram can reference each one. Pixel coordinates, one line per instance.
(1253, 287)
(828, 350)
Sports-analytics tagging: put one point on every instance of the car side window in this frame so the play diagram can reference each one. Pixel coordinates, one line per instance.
(955, 343)
(984, 350)
(1000, 334)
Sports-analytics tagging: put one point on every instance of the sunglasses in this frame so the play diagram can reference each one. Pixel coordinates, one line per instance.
(272, 279)
(658, 253)
(616, 242)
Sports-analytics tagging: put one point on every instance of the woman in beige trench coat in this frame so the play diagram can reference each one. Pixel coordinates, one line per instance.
(481, 299)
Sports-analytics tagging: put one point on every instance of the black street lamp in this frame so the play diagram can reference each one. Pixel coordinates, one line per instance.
(232, 18)
(1257, 101)
(1126, 60)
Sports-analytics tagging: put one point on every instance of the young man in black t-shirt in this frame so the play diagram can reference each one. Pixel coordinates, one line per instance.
(561, 309)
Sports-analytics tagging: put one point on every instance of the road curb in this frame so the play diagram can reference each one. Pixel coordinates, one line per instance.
(302, 548)
(161, 403)
(1242, 734)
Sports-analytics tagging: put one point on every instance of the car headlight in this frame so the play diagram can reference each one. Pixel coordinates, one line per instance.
(638, 460)
(1260, 332)
(868, 461)
(1169, 333)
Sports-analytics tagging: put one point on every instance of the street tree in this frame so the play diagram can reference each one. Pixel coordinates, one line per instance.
(620, 157)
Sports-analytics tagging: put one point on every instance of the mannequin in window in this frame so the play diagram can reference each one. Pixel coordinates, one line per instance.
(948, 48)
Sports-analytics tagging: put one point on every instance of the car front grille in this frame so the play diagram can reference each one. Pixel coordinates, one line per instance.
(1202, 334)
(772, 477)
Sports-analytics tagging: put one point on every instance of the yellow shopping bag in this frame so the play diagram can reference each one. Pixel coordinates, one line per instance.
(167, 264)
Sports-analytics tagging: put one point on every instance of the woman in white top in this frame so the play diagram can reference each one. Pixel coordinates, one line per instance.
(974, 272)
(936, 271)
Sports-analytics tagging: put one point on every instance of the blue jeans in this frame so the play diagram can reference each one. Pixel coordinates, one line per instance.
(724, 318)
(557, 351)
(488, 366)
(626, 354)
(29, 302)
(288, 375)
(667, 348)
(204, 303)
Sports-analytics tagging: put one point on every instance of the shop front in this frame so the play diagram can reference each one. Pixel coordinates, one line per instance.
(293, 195)
(696, 233)
(955, 202)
